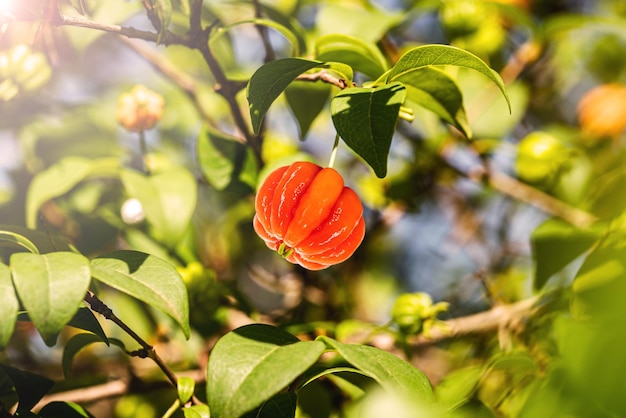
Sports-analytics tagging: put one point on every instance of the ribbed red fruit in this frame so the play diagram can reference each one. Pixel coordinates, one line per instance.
(306, 214)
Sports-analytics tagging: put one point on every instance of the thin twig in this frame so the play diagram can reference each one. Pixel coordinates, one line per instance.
(263, 33)
(113, 389)
(501, 316)
(169, 38)
(146, 349)
(324, 76)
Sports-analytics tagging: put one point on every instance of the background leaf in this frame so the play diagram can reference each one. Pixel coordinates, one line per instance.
(185, 386)
(147, 278)
(59, 409)
(422, 56)
(357, 53)
(168, 199)
(30, 387)
(389, 371)
(73, 346)
(434, 90)
(84, 319)
(60, 179)
(366, 120)
(8, 305)
(41, 242)
(222, 158)
(281, 405)
(51, 287)
(269, 81)
(306, 100)
(555, 244)
(251, 364)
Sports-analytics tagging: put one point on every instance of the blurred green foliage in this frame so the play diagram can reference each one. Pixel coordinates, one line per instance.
(437, 223)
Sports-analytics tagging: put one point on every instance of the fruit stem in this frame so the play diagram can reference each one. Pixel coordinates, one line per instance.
(333, 154)
(144, 151)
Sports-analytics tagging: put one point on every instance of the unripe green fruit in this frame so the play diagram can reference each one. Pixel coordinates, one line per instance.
(539, 157)
(409, 311)
(461, 17)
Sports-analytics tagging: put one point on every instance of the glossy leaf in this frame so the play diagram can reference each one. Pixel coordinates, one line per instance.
(269, 81)
(253, 363)
(73, 346)
(185, 386)
(197, 411)
(366, 120)
(84, 319)
(222, 157)
(168, 199)
(389, 371)
(422, 56)
(51, 288)
(282, 405)
(353, 51)
(58, 409)
(434, 90)
(8, 305)
(20, 238)
(555, 244)
(30, 387)
(306, 101)
(147, 278)
(60, 179)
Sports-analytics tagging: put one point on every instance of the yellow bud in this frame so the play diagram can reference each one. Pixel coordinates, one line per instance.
(140, 109)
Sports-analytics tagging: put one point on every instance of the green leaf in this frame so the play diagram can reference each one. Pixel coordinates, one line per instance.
(281, 405)
(147, 278)
(11, 239)
(392, 373)
(168, 199)
(51, 287)
(197, 411)
(422, 56)
(342, 70)
(73, 346)
(283, 30)
(60, 179)
(164, 12)
(58, 409)
(269, 81)
(555, 244)
(366, 120)
(9, 305)
(253, 363)
(185, 386)
(19, 238)
(30, 387)
(84, 319)
(434, 90)
(457, 387)
(358, 54)
(357, 19)
(222, 158)
(306, 100)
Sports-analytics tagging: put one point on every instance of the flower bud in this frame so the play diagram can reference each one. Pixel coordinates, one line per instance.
(140, 109)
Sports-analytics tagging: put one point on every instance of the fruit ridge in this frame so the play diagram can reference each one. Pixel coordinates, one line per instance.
(307, 214)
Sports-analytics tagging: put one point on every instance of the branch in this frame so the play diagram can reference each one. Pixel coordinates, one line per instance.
(108, 390)
(498, 317)
(146, 349)
(324, 76)
(169, 38)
